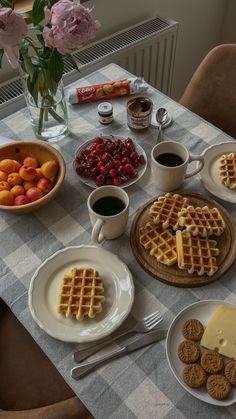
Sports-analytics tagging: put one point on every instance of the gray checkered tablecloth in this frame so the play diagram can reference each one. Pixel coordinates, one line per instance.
(139, 385)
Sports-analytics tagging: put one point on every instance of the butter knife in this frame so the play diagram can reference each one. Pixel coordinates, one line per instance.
(140, 342)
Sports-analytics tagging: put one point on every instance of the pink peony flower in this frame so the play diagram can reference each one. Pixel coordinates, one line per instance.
(12, 30)
(71, 26)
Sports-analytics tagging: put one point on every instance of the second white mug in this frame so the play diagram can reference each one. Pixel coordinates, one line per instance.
(108, 208)
(169, 162)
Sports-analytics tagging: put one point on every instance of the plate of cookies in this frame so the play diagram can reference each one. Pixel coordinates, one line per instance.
(201, 351)
(218, 175)
(81, 294)
(185, 240)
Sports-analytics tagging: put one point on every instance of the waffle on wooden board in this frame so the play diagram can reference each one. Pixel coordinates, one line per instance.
(176, 273)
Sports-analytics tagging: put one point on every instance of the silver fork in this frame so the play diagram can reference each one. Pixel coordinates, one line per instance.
(145, 325)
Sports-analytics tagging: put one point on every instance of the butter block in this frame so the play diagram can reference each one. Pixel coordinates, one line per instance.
(220, 333)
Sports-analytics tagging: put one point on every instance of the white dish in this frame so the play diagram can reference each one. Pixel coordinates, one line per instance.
(202, 311)
(141, 168)
(209, 175)
(45, 286)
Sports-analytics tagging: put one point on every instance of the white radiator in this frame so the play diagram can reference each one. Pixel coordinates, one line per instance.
(146, 49)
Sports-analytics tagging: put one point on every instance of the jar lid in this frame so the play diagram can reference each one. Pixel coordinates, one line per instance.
(105, 108)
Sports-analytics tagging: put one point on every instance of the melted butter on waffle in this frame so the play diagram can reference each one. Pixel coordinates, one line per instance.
(81, 294)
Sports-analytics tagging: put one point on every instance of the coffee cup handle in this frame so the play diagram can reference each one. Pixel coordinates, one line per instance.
(96, 235)
(198, 169)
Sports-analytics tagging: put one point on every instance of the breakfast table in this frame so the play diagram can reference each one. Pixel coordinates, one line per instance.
(140, 384)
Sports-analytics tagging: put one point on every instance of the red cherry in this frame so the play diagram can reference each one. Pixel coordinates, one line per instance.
(121, 170)
(117, 156)
(109, 180)
(109, 166)
(113, 172)
(116, 181)
(98, 140)
(117, 163)
(141, 159)
(105, 157)
(100, 149)
(125, 160)
(103, 170)
(133, 155)
(99, 180)
(129, 168)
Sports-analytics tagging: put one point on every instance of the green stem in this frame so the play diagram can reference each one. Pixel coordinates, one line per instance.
(40, 127)
(55, 115)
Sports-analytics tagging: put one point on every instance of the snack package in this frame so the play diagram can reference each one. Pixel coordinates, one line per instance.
(107, 91)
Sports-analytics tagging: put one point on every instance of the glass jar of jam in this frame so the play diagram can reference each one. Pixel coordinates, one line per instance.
(105, 113)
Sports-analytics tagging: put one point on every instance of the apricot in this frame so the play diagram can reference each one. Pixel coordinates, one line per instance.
(18, 190)
(49, 168)
(39, 173)
(21, 200)
(9, 165)
(17, 166)
(30, 161)
(6, 198)
(45, 185)
(14, 179)
(27, 173)
(34, 194)
(3, 175)
(28, 185)
(4, 186)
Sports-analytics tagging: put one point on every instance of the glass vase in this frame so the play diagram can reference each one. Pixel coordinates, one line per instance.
(47, 108)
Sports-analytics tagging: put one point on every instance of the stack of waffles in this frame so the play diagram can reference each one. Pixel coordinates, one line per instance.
(81, 294)
(179, 234)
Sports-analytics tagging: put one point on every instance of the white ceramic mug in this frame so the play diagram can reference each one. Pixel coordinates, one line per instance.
(108, 208)
(169, 162)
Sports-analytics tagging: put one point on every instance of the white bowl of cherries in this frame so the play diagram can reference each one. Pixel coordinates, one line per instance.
(110, 160)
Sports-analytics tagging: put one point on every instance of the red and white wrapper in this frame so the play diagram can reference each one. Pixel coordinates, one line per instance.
(107, 91)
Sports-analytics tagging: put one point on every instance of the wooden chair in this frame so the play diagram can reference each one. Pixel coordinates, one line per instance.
(30, 385)
(211, 93)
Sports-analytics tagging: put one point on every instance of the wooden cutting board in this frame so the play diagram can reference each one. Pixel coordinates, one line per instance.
(172, 275)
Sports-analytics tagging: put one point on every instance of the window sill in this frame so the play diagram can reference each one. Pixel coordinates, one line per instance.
(24, 6)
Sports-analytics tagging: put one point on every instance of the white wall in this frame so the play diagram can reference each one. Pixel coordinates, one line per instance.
(202, 25)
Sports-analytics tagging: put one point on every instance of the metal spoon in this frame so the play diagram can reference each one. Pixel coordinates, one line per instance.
(161, 116)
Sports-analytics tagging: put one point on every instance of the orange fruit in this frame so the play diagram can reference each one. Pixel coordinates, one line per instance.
(8, 165)
(18, 190)
(6, 198)
(30, 161)
(27, 173)
(49, 168)
(3, 175)
(4, 186)
(28, 185)
(14, 179)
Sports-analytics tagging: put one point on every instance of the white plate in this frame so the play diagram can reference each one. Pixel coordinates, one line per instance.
(202, 311)
(141, 169)
(45, 286)
(209, 175)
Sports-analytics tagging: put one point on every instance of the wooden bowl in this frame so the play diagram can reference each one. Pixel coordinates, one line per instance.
(18, 150)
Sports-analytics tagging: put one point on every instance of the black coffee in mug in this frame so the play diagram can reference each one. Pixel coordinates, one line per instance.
(169, 159)
(108, 206)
